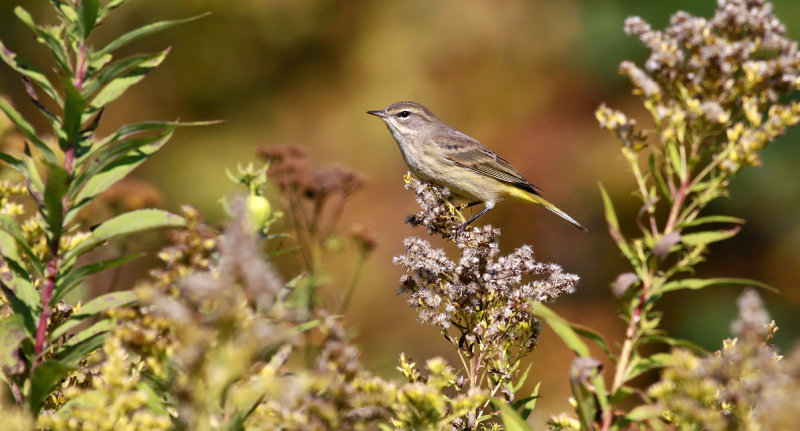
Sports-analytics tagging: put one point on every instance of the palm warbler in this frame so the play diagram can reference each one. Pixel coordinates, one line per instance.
(440, 154)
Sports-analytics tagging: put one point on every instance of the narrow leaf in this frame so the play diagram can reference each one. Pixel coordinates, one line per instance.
(652, 362)
(142, 32)
(17, 281)
(662, 185)
(512, 421)
(562, 328)
(102, 174)
(71, 354)
(118, 77)
(11, 226)
(643, 413)
(45, 377)
(87, 11)
(703, 238)
(70, 279)
(13, 332)
(700, 283)
(45, 36)
(125, 224)
(674, 342)
(92, 309)
(712, 219)
(594, 336)
(613, 228)
(26, 69)
(26, 129)
(105, 302)
(527, 405)
(98, 328)
(54, 192)
(73, 114)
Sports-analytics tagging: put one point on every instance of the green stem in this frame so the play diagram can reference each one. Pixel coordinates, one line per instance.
(353, 281)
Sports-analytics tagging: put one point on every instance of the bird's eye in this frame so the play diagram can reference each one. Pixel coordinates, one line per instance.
(404, 114)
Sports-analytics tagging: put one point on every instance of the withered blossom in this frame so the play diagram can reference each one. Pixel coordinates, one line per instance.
(730, 70)
(484, 297)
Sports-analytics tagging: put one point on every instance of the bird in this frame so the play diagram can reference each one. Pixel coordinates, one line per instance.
(439, 154)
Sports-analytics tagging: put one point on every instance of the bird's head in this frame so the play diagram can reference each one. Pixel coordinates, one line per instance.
(407, 118)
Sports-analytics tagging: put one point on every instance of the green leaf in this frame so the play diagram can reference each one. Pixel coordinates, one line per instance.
(584, 398)
(125, 224)
(54, 192)
(662, 186)
(17, 287)
(72, 278)
(26, 167)
(129, 130)
(527, 404)
(71, 354)
(707, 237)
(17, 164)
(24, 68)
(98, 328)
(12, 332)
(91, 309)
(45, 36)
(87, 12)
(10, 225)
(45, 377)
(562, 328)
(105, 302)
(594, 336)
(26, 129)
(101, 175)
(613, 228)
(73, 114)
(119, 76)
(712, 219)
(36, 186)
(700, 283)
(644, 413)
(652, 362)
(675, 342)
(622, 393)
(142, 32)
(511, 420)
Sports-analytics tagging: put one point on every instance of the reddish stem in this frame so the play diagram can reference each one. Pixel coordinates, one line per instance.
(80, 68)
(69, 159)
(677, 204)
(47, 295)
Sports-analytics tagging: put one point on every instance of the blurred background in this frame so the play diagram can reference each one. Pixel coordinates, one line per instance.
(524, 78)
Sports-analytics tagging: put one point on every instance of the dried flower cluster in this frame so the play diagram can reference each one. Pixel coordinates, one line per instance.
(483, 302)
(483, 294)
(309, 191)
(746, 385)
(726, 73)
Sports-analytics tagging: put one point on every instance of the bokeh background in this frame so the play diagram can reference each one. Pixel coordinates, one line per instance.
(521, 76)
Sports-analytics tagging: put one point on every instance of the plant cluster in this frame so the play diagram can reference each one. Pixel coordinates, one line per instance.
(716, 91)
(217, 339)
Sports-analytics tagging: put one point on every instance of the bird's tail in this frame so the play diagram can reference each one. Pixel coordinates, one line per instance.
(526, 196)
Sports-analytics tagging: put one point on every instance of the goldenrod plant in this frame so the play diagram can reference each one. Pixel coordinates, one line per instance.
(716, 91)
(43, 242)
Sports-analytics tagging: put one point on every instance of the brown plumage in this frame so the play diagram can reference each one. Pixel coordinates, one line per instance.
(440, 154)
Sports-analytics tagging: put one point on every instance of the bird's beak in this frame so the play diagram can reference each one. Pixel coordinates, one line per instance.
(380, 114)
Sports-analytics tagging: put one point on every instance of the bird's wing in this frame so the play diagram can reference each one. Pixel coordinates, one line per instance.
(471, 154)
